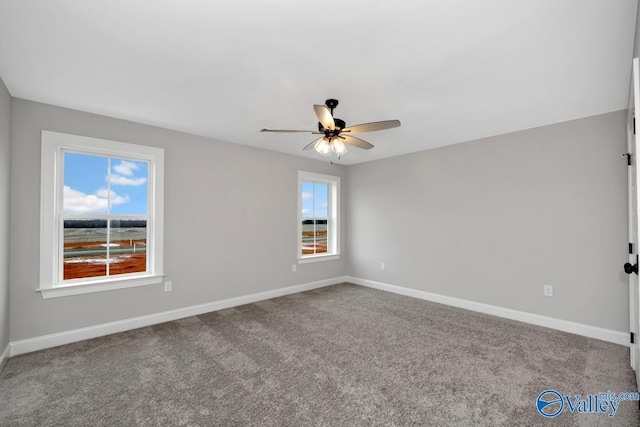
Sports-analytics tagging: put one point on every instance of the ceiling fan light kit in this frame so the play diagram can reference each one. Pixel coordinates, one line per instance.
(322, 146)
(336, 135)
(326, 146)
(337, 146)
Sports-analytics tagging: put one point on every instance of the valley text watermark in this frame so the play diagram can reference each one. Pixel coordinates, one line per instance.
(551, 403)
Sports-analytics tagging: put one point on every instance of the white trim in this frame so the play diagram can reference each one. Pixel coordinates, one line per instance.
(317, 258)
(88, 287)
(616, 337)
(54, 340)
(4, 357)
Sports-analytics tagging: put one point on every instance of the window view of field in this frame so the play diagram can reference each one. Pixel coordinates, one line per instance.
(92, 245)
(98, 191)
(314, 217)
(314, 236)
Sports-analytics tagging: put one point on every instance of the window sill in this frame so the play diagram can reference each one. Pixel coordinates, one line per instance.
(90, 287)
(318, 258)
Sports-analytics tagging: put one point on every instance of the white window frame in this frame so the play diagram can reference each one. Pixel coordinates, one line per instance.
(51, 198)
(333, 210)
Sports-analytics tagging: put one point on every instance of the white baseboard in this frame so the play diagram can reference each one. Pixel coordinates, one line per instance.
(4, 357)
(54, 340)
(608, 335)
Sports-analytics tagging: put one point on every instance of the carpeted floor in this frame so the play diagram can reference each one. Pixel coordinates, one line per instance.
(341, 355)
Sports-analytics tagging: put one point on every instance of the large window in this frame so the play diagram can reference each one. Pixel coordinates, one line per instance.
(318, 226)
(101, 215)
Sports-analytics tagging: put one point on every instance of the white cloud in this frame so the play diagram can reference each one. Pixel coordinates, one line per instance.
(123, 180)
(306, 195)
(126, 167)
(115, 198)
(124, 174)
(77, 202)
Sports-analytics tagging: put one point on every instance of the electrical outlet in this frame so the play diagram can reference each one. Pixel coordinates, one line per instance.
(548, 290)
(383, 266)
(294, 268)
(167, 286)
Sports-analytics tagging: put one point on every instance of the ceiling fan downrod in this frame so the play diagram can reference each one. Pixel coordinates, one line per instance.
(339, 124)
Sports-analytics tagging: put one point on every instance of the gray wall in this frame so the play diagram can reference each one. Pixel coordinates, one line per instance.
(636, 45)
(490, 221)
(5, 191)
(230, 223)
(494, 220)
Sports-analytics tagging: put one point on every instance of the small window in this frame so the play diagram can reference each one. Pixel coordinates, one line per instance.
(101, 215)
(318, 226)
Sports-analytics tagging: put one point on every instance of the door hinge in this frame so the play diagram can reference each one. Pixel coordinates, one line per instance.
(628, 158)
(634, 125)
(633, 338)
(630, 248)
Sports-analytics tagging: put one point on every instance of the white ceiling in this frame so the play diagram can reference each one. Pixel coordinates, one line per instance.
(449, 70)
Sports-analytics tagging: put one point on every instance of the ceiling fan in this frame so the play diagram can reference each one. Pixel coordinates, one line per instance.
(336, 135)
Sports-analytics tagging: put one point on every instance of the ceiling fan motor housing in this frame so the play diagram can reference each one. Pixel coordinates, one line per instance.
(339, 124)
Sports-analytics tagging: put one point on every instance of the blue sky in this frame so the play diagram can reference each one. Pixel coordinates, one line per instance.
(314, 199)
(85, 185)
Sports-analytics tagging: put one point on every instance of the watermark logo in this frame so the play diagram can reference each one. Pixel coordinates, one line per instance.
(551, 403)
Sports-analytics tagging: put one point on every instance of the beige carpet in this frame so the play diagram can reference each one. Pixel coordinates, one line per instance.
(341, 355)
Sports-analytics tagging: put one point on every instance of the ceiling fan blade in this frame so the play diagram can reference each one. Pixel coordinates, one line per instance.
(287, 131)
(324, 117)
(356, 142)
(370, 127)
(310, 146)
